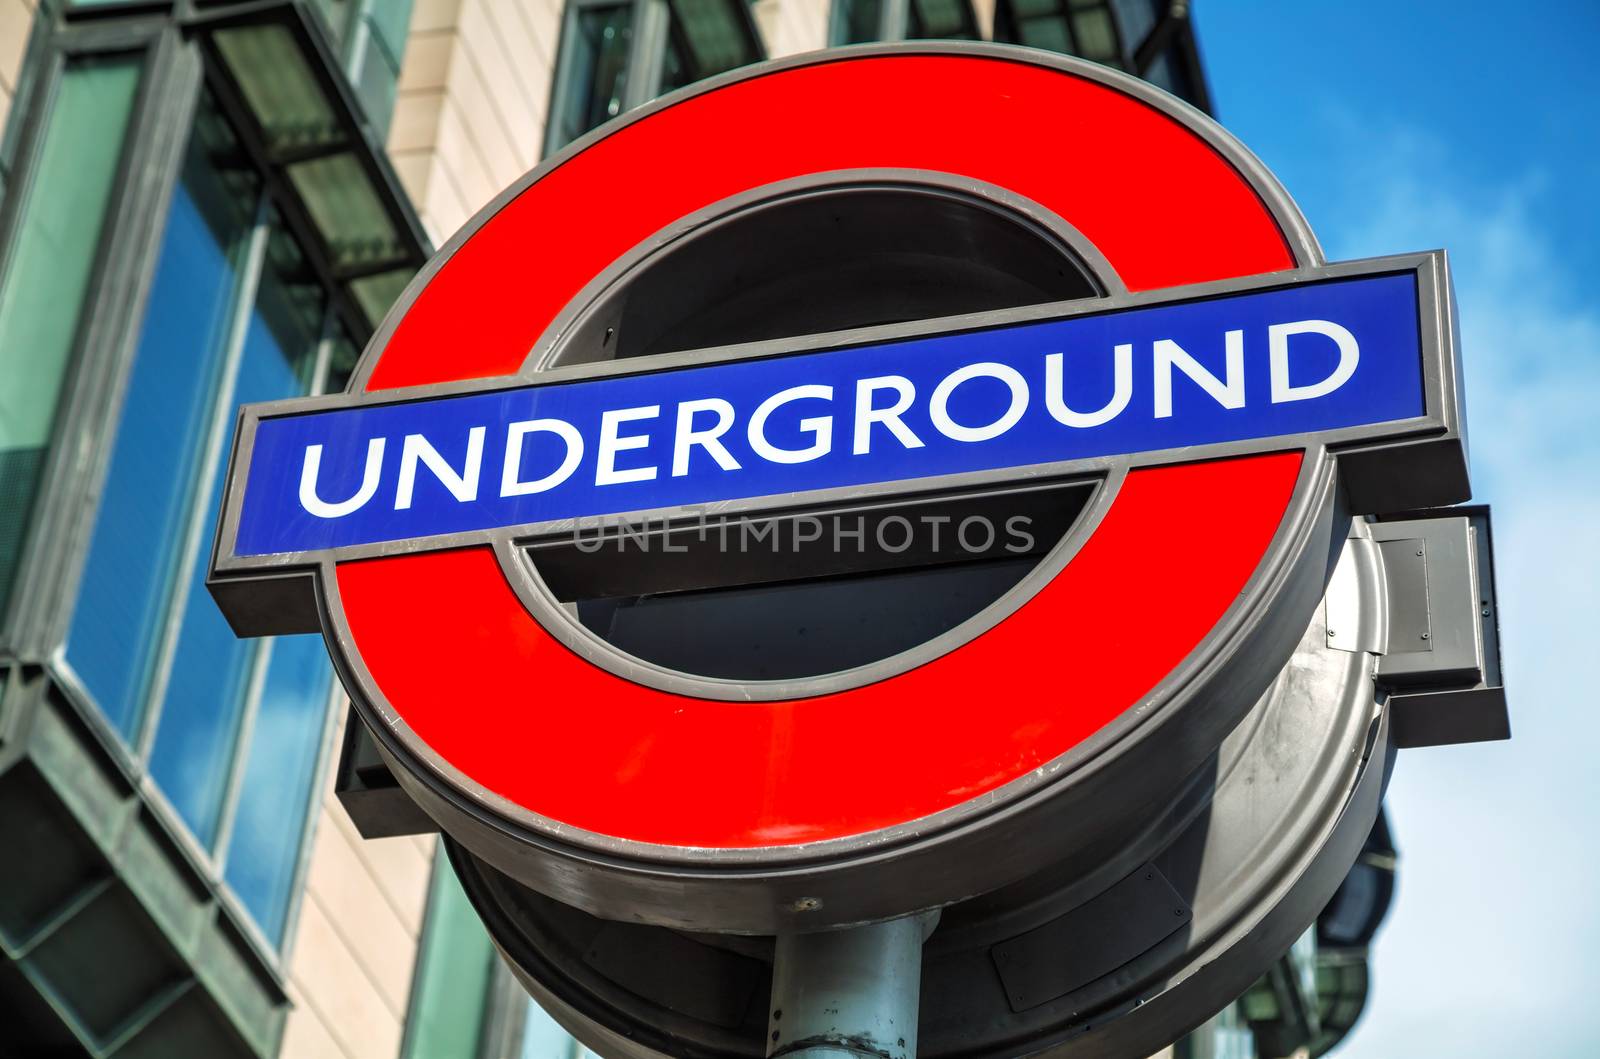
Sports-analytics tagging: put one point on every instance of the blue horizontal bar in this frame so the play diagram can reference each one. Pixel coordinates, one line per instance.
(974, 401)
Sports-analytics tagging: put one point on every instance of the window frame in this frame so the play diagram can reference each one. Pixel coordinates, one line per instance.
(502, 1012)
(134, 752)
(177, 63)
(1169, 35)
(894, 23)
(32, 622)
(651, 32)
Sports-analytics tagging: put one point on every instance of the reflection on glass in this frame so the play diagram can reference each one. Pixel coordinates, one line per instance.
(594, 74)
(453, 972)
(941, 20)
(1097, 37)
(677, 66)
(707, 38)
(279, 771)
(346, 210)
(1072, 27)
(1035, 24)
(375, 294)
(281, 762)
(1136, 18)
(279, 86)
(606, 67)
(1167, 70)
(52, 258)
(857, 21)
(145, 628)
(211, 668)
(128, 577)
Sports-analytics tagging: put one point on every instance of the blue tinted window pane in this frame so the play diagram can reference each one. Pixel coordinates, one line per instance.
(280, 768)
(128, 576)
(193, 751)
(281, 762)
(200, 716)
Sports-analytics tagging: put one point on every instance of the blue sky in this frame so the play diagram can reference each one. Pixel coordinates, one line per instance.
(1475, 127)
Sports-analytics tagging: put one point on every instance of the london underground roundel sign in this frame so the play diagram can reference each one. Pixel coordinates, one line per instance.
(1224, 395)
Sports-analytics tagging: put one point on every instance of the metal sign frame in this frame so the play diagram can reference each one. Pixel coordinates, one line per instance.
(1430, 444)
(984, 841)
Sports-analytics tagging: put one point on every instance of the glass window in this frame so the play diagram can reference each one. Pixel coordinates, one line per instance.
(455, 964)
(129, 574)
(860, 21)
(1072, 27)
(454, 1009)
(1169, 70)
(706, 37)
(279, 775)
(1096, 34)
(211, 668)
(1137, 18)
(374, 53)
(616, 55)
(1112, 35)
(233, 729)
(856, 21)
(941, 20)
(337, 16)
(594, 69)
(48, 271)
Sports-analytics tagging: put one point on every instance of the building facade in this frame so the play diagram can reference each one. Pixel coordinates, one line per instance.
(204, 203)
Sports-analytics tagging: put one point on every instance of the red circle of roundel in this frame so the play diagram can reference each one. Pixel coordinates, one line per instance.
(468, 669)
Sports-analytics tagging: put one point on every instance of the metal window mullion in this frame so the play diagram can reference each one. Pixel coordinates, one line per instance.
(241, 751)
(290, 206)
(308, 827)
(1119, 49)
(894, 21)
(221, 419)
(1141, 53)
(559, 75)
(647, 52)
(319, 368)
(330, 716)
(78, 447)
(561, 70)
(427, 941)
(40, 72)
(505, 1013)
(355, 43)
(239, 917)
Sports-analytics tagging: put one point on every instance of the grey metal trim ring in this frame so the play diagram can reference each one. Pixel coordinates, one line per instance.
(1131, 766)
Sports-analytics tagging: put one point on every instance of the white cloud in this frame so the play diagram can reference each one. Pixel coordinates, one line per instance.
(1490, 947)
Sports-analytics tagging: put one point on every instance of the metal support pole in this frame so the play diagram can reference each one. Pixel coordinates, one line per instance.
(849, 994)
